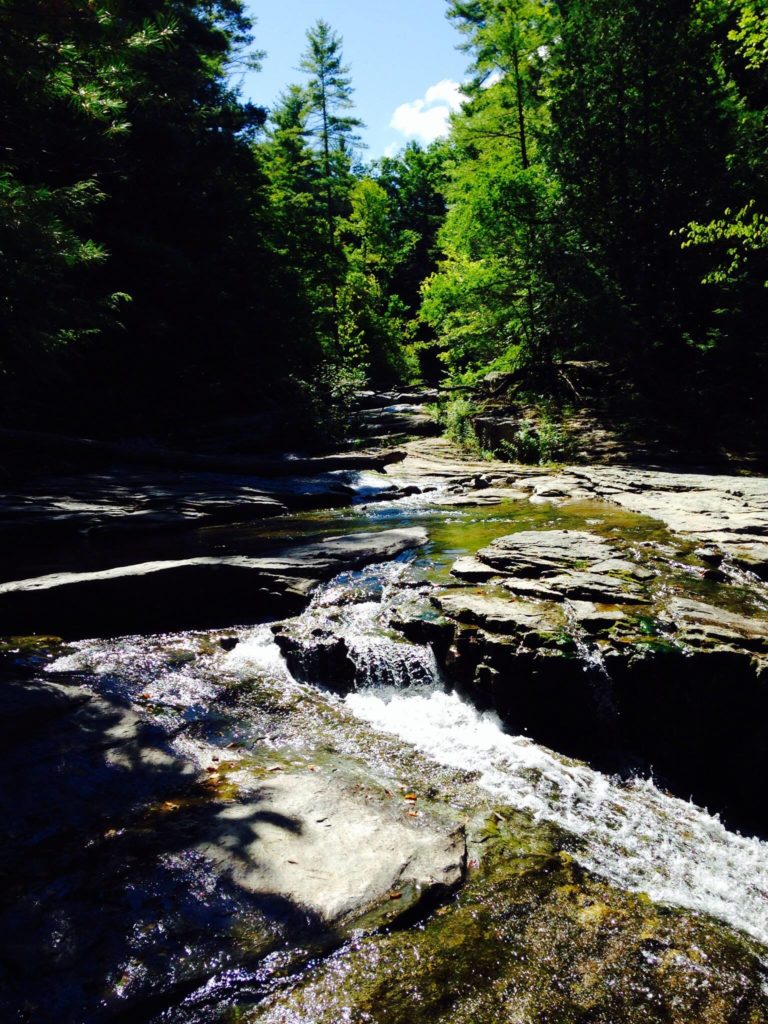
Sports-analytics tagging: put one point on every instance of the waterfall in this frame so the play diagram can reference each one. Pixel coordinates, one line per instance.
(381, 662)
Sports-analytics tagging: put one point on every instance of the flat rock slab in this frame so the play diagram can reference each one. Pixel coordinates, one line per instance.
(554, 565)
(396, 420)
(188, 593)
(704, 624)
(434, 461)
(577, 586)
(22, 446)
(334, 851)
(129, 837)
(56, 519)
(478, 498)
(724, 510)
(127, 500)
(70, 759)
(536, 553)
(730, 511)
(498, 614)
(337, 553)
(385, 399)
(472, 570)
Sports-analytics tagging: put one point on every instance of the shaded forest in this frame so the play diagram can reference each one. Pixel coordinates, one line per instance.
(170, 252)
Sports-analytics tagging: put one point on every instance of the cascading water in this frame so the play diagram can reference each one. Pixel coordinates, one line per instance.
(381, 662)
(632, 834)
(593, 662)
(348, 619)
(635, 836)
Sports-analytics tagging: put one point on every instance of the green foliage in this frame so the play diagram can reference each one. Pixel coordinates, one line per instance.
(66, 73)
(737, 241)
(751, 32)
(456, 417)
(127, 170)
(536, 443)
(325, 404)
(737, 236)
(592, 133)
(643, 156)
(538, 440)
(415, 183)
(167, 248)
(349, 234)
(497, 293)
(329, 93)
(373, 321)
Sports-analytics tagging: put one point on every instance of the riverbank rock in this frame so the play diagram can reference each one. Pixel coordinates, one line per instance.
(142, 864)
(523, 621)
(322, 658)
(336, 851)
(730, 512)
(437, 462)
(395, 421)
(189, 593)
(74, 521)
(385, 399)
(724, 511)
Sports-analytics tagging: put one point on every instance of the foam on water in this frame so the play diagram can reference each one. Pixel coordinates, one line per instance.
(257, 654)
(633, 835)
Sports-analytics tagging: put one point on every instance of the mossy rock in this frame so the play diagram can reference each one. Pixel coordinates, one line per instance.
(534, 939)
(29, 645)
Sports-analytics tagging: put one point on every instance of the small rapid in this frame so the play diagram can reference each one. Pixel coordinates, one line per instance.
(632, 834)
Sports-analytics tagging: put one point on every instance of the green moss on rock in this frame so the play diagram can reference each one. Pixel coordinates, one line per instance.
(534, 939)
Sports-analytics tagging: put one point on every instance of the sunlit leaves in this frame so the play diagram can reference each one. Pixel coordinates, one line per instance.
(734, 237)
(751, 34)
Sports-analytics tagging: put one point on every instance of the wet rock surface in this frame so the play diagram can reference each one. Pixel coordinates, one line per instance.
(727, 512)
(394, 414)
(533, 938)
(405, 419)
(668, 659)
(151, 862)
(90, 516)
(334, 851)
(730, 512)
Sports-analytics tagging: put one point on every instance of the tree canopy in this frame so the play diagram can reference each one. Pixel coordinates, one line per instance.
(167, 247)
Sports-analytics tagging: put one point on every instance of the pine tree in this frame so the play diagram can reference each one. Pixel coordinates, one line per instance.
(333, 131)
(329, 93)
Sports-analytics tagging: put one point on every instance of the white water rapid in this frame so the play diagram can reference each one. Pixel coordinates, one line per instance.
(633, 835)
(629, 833)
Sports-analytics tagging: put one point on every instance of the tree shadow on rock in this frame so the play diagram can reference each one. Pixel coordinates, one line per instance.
(108, 908)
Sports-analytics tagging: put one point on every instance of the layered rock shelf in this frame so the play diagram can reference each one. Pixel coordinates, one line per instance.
(606, 649)
(189, 593)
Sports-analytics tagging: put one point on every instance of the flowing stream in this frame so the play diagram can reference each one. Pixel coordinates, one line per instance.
(631, 834)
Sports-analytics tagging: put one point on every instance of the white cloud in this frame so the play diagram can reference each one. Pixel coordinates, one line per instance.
(445, 92)
(428, 119)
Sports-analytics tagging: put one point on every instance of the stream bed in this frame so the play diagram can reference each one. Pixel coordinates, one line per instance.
(586, 897)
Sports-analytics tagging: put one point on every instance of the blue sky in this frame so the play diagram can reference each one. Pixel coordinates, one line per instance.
(405, 65)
